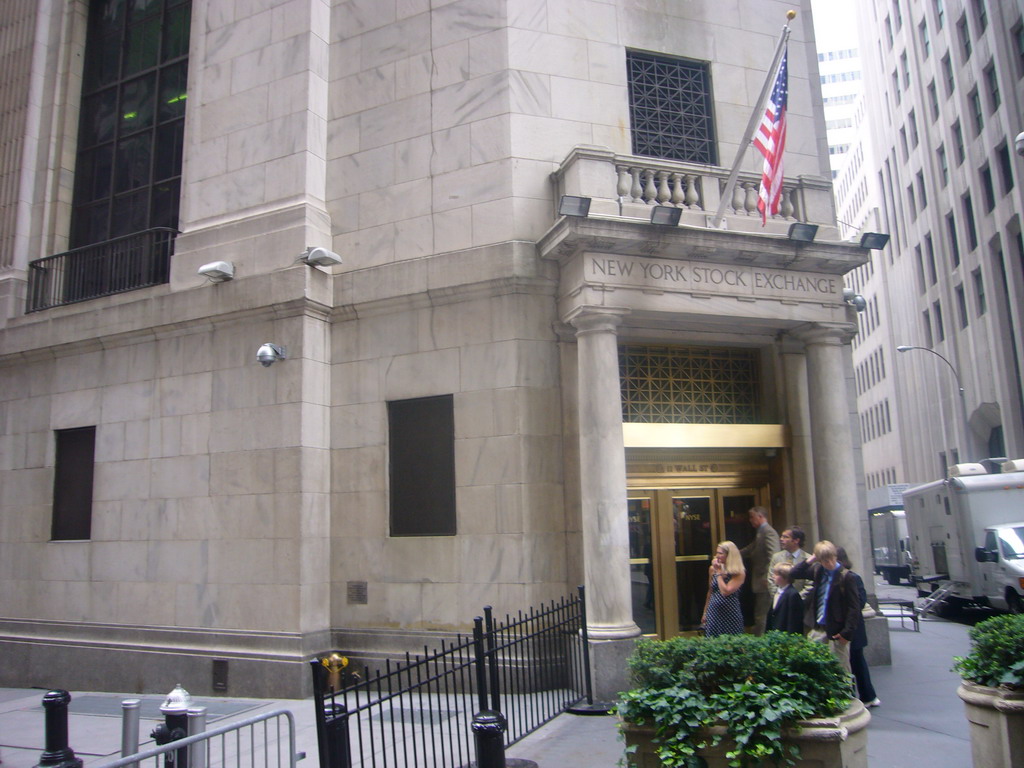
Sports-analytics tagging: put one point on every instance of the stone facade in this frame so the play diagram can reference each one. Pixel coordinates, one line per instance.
(234, 506)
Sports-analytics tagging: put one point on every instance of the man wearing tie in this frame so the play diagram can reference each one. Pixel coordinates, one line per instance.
(792, 552)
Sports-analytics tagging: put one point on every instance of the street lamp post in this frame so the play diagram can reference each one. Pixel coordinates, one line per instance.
(960, 389)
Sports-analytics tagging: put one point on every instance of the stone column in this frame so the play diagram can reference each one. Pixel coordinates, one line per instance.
(603, 476)
(603, 500)
(801, 501)
(835, 479)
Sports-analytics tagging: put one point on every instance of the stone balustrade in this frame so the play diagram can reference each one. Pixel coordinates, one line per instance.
(628, 186)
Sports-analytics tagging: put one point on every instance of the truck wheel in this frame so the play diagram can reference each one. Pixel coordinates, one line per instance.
(948, 608)
(892, 577)
(1013, 602)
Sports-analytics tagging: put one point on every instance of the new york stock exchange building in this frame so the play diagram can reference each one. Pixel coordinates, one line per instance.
(466, 393)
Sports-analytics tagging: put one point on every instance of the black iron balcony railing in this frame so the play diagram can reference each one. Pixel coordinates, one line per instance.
(114, 266)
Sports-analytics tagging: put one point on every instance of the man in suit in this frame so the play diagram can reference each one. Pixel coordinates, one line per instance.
(792, 541)
(835, 605)
(760, 551)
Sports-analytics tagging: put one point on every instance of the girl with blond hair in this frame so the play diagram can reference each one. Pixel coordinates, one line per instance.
(722, 614)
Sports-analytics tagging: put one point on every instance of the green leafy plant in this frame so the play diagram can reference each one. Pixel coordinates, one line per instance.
(997, 653)
(754, 687)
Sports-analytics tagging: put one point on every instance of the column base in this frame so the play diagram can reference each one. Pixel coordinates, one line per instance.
(608, 673)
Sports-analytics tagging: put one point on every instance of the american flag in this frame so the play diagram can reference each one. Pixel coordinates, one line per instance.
(770, 140)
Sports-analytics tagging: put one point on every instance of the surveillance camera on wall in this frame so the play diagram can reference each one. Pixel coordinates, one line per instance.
(217, 271)
(1018, 143)
(854, 299)
(268, 354)
(320, 257)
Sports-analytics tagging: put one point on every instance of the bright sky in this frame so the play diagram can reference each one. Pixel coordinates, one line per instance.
(835, 24)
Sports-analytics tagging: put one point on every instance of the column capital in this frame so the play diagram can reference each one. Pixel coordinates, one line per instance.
(588, 318)
(836, 334)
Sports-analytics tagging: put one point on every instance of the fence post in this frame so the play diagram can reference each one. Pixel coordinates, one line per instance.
(57, 752)
(488, 724)
(196, 724)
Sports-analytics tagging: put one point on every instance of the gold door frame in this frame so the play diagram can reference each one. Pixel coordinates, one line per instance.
(665, 564)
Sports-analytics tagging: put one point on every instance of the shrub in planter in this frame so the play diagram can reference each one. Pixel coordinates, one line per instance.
(997, 653)
(697, 691)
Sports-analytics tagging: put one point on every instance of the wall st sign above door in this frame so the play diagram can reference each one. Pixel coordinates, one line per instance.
(702, 277)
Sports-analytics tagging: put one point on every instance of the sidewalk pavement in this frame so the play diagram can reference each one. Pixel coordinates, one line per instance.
(921, 720)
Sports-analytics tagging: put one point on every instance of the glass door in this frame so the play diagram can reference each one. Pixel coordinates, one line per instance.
(672, 537)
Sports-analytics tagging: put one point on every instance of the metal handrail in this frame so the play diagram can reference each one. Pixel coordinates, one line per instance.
(237, 725)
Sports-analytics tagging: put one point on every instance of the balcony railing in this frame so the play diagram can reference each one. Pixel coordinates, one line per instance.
(627, 185)
(114, 266)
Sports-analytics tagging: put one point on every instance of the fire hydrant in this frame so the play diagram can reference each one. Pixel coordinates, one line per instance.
(175, 725)
(334, 663)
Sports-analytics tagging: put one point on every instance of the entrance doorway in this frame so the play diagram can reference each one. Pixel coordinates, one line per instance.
(672, 538)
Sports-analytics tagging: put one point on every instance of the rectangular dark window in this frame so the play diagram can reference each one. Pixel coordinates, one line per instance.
(963, 32)
(914, 137)
(958, 142)
(926, 42)
(896, 87)
(987, 188)
(927, 325)
(1005, 168)
(1018, 46)
(905, 67)
(992, 85)
(940, 331)
(979, 292)
(954, 242)
(72, 484)
(972, 229)
(920, 268)
(981, 15)
(922, 196)
(911, 202)
(670, 108)
(933, 100)
(947, 72)
(421, 450)
(930, 252)
(903, 144)
(943, 165)
(888, 31)
(961, 305)
(940, 13)
(974, 99)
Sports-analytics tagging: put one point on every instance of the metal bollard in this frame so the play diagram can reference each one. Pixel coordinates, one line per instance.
(130, 711)
(57, 752)
(489, 732)
(197, 724)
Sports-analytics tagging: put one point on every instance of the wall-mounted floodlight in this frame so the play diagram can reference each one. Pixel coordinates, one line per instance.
(802, 233)
(268, 354)
(320, 257)
(573, 205)
(217, 271)
(873, 241)
(666, 215)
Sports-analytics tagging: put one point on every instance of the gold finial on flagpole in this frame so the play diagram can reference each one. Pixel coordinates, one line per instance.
(790, 14)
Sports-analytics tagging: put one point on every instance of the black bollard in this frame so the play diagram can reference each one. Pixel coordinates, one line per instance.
(58, 754)
(489, 731)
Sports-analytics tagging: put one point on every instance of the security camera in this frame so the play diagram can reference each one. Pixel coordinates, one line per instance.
(1018, 143)
(320, 257)
(859, 303)
(268, 354)
(217, 271)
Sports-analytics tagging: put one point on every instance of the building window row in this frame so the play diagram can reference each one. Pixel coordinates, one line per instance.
(885, 476)
(840, 77)
(847, 53)
(870, 371)
(876, 421)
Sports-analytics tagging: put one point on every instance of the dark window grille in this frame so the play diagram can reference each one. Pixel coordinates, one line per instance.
(670, 107)
(115, 266)
(678, 385)
(421, 439)
(72, 484)
(132, 119)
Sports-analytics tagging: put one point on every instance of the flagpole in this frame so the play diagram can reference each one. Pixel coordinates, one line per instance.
(755, 119)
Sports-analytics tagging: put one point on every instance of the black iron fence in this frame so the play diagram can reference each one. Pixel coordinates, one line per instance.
(114, 266)
(463, 703)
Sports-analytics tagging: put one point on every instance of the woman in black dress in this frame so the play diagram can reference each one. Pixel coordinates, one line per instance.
(722, 614)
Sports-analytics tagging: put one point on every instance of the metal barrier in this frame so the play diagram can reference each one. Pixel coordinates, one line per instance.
(493, 689)
(113, 266)
(262, 741)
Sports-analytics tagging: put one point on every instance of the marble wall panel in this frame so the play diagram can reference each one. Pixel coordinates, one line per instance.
(360, 514)
(152, 604)
(489, 461)
(606, 63)
(426, 559)
(274, 62)
(532, 51)
(137, 440)
(119, 561)
(544, 138)
(463, 19)
(599, 103)
(31, 415)
(235, 112)
(400, 40)
(414, 237)
(396, 121)
(477, 508)
(453, 230)
(356, 382)
(492, 222)
(475, 185)
(451, 149)
(422, 374)
(243, 35)
(360, 424)
(241, 561)
(359, 469)
(180, 477)
(373, 168)
(488, 53)
(354, 17)
(79, 372)
(182, 395)
(449, 64)
(75, 409)
(395, 203)
(470, 100)
(121, 480)
(413, 75)
(590, 19)
(367, 89)
(241, 472)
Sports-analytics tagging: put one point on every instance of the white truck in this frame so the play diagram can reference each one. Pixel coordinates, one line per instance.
(887, 524)
(967, 536)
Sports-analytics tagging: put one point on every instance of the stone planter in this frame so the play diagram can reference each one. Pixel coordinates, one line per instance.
(828, 742)
(996, 718)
